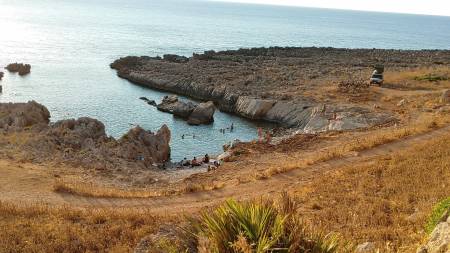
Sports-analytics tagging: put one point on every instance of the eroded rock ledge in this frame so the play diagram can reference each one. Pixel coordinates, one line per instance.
(271, 83)
(80, 141)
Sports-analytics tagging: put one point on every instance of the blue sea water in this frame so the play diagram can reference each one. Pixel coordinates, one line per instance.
(70, 44)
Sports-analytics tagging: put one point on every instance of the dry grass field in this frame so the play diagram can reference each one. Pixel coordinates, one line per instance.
(40, 228)
(387, 200)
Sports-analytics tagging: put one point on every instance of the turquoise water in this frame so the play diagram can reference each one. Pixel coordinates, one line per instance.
(71, 43)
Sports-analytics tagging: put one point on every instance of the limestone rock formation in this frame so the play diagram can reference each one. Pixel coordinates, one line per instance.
(82, 133)
(16, 116)
(202, 114)
(22, 69)
(439, 241)
(367, 247)
(171, 104)
(269, 83)
(141, 145)
(253, 108)
(82, 142)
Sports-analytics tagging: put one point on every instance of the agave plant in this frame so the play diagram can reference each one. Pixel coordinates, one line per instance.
(261, 225)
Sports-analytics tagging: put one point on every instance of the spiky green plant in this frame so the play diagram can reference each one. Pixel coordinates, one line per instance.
(260, 224)
(260, 227)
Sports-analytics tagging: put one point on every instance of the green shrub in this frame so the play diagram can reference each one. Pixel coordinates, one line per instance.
(259, 227)
(431, 78)
(436, 214)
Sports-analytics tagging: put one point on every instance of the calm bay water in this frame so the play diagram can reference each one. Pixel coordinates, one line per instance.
(71, 43)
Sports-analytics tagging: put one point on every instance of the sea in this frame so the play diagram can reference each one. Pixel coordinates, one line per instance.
(71, 43)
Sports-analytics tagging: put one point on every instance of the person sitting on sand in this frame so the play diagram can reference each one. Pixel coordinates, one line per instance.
(195, 162)
(206, 159)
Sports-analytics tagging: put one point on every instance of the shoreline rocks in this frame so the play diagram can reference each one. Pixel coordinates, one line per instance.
(253, 83)
(202, 113)
(21, 68)
(148, 101)
(16, 116)
(82, 141)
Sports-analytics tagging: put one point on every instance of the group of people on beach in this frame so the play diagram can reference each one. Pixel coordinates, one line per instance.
(199, 162)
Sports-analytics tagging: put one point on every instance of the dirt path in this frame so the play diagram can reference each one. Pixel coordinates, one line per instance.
(30, 184)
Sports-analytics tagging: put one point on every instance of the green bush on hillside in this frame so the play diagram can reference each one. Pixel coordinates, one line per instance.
(436, 214)
(258, 227)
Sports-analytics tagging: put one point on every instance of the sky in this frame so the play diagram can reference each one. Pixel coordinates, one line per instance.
(429, 7)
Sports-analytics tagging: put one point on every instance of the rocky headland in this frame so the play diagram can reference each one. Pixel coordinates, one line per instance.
(78, 142)
(277, 84)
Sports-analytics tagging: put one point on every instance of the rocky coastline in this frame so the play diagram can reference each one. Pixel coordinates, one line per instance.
(271, 84)
(78, 142)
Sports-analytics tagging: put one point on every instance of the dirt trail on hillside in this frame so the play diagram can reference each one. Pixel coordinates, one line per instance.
(30, 184)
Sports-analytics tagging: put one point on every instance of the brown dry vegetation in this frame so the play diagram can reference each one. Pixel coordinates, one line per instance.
(430, 78)
(39, 228)
(386, 200)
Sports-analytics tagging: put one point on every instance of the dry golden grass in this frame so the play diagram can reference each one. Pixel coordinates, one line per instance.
(91, 190)
(419, 78)
(39, 228)
(96, 191)
(386, 201)
(369, 140)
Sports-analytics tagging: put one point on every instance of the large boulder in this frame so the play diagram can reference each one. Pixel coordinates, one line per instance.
(141, 145)
(253, 108)
(171, 104)
(20, 115)
(77, 133)
(445, 98)
(439, 241)
(202, 114)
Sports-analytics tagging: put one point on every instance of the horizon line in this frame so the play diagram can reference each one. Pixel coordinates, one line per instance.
(327, 8)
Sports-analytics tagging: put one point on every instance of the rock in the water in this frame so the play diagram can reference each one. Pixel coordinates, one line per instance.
(1, 75)
(21, 68)
(150, 102)
(141, 145)
(367, 247)
(20, 115)
(182, 109)
(445, 98)
(171, 104)
(202, 114)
